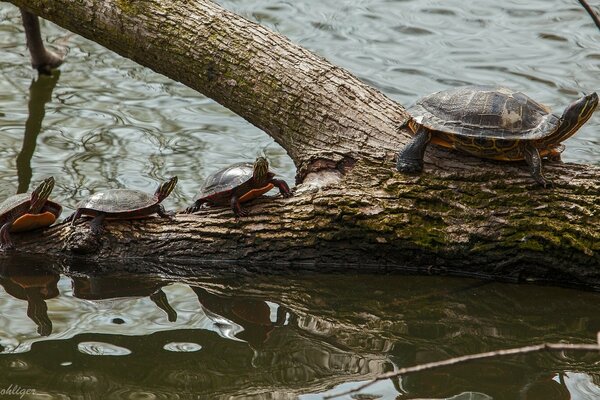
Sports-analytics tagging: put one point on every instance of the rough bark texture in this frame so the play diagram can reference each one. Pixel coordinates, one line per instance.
(462, 214)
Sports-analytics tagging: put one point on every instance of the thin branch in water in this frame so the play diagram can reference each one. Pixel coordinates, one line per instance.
(471, 357)
(590, 11)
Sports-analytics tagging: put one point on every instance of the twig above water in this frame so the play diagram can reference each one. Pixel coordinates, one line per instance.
(590, 11)
(471, 357)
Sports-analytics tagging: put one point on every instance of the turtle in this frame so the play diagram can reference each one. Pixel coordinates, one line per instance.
(122, 204)
(27, 211)
(492, 122)
(237, 184)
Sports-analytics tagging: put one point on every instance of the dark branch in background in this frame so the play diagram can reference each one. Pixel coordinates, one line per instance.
(591, 12)
(471, 357)
(42, 59)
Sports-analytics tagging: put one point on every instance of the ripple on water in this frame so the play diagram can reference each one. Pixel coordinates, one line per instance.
(411, 30)
(102, 349)
(182, 347)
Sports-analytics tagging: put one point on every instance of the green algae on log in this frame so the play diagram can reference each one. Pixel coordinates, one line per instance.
(462, 215)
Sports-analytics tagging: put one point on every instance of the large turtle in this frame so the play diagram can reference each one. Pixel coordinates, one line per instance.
(123, 204)
(492, 122)
(27, 211)
(236, 184)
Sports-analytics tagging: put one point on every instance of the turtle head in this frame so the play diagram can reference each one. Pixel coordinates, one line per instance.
(575, 115)
(40, 195)
(261, 169)
(165, 189)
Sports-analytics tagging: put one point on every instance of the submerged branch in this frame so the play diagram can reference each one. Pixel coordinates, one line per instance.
(472, 357)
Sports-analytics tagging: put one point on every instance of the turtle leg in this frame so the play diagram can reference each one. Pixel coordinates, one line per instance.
(283, 187)
(96, 224)
(237, 208)
(194, 207)
(532, 156)
(555, 154)
(410, 158)
(73, 217)
(160, 210)
(5, 242)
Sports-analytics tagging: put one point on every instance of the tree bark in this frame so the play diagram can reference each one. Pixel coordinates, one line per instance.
(461, 215)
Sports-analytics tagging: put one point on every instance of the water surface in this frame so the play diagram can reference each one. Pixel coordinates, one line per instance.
(106, 122)
(245, 335)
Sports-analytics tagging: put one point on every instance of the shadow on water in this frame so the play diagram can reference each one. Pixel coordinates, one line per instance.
(222, 333)
(40, 93)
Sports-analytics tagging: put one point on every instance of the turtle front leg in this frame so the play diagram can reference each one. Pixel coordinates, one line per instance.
(283, 187)
(96, 224)
(410, 158)
(532, 156)
(41, 59)
(237, 208)
(5, 242)
(194, 207)
(160, 210)
(73, 217)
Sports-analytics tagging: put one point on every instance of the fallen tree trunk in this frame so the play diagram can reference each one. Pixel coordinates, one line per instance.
(462, 214)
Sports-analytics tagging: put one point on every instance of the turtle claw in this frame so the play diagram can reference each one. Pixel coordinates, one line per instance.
(545, 183)
(6, 247)
(165, 214)
(409, 166)
(194, 207)
(97, 229)
(242, 212)
(96, 225)
(190, 210)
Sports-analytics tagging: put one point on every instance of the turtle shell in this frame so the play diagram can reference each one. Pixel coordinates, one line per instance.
(14, 202)
(492, 112)
(118, 201)
(226, 179)
(25, 221)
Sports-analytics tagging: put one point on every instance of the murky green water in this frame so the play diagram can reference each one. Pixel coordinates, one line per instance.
(107, 122)
(240, 335)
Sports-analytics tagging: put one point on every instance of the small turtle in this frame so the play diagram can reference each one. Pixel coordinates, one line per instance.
(237, 184)
(27, 211)
(492, 122)
(123, 204)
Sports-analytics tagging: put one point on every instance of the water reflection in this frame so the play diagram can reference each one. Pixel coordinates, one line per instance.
(35, 286)
(242, 318)
(40, 93)
(283, 336)
(113, 287)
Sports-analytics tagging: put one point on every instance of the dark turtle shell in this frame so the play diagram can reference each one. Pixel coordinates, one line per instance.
(25, 221)
(13, 202)
(491, 112)
(226, 179)
(20, 199)
(119, 200)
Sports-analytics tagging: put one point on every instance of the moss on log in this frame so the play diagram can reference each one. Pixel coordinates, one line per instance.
(462, 215)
